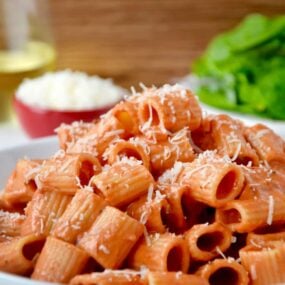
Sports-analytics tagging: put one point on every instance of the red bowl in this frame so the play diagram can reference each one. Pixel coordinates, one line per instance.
(40, 122)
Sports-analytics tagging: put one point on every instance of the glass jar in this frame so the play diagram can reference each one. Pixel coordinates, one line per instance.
(26, 47)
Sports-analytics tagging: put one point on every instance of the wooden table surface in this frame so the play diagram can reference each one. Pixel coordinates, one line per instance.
(149, 41)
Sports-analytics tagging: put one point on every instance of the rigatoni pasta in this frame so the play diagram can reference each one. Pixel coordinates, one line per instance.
(213, 180)
(67, 172)
(19, 255)
(68, 134)
(207, 241)
(268, 145)
(164, 154)
(21, 183)
(224, 272)
(79, 215)
(262, 239)
(229, 140)
(54, 267)
(152, 212)
(127, 115)
(111, 237)
(96, 141)
(247, 215)
(129, 149)
(161, 252)
(170, 109)
(151, 193)
(43, 211)
(122, 182)
(265, 264)
(181, 206)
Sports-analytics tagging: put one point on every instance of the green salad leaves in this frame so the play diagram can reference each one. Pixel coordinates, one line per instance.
(244, 69)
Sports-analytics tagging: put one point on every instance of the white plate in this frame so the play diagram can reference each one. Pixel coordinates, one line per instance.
(41, 148)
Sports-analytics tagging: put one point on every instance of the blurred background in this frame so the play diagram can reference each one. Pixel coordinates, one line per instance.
(151, 41)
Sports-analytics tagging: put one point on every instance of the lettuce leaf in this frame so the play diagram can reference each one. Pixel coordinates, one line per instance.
(244, 69)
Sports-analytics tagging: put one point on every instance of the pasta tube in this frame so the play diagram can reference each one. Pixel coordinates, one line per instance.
(111, 237)
(127, 114)
(265, 264)
(21, 184)
(224, 272)
(165, 252)
(258, 183)
(164, 154)
(247, 215)
(111, 277)
(128, 149)
(268, 145)
(97, 140)
(123, 182)
(67, 172)
(202, 138)
(213, 180)
(4, 204)
(207, 241)
(184, 211)
(18, 255)
(43, 211)
(68, 134)
(171, 108)
(261, 239)
(151, 212)
(229, 139)
(261, 183)
(59, 261)
(79, 215)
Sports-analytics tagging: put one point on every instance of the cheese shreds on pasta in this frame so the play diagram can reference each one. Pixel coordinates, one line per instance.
(150, 192)
(270, 210)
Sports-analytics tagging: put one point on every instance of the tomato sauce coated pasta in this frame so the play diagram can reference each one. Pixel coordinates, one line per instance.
(153, 193)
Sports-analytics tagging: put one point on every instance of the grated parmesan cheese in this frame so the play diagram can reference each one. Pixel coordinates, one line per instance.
(253, 272)
(218, 250)
(143, 271)
(159, 196)
(133, 90)
(69, 90)
(270, 210)
(170, 176)
(178, 274)
(262, 132)
(143, 87)
(144, 217)
(238, 149)
(147, 237)
(13, 216)
(104, 249)
(234, 239)
(150, 193)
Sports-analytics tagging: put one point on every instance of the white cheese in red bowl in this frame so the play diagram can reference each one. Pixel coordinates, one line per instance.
(43, 103)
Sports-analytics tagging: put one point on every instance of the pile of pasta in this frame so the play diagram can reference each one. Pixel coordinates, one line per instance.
(155, 192)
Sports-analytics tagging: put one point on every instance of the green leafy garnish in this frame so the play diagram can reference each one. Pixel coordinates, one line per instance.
(244, 69)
